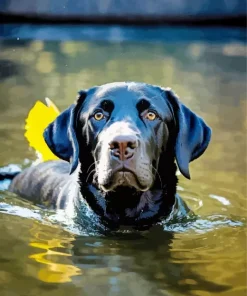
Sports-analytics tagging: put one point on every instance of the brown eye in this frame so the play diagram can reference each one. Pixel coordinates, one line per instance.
(151, 116)
(98, 116)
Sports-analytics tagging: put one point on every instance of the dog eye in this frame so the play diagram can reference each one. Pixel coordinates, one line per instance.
(151, 115)
(98, 116)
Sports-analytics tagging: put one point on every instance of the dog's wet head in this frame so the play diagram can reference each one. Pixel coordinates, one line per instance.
(124, 129)
(128, 132)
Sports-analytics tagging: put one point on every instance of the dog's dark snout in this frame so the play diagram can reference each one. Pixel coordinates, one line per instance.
(123, 146)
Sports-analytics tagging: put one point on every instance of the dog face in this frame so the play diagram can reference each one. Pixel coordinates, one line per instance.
(127, 127)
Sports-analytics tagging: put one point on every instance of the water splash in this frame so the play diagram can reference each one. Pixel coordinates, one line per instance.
(87, 225)
(86, 222)
(200, 224)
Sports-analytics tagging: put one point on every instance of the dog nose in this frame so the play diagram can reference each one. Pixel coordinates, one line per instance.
(123, 146)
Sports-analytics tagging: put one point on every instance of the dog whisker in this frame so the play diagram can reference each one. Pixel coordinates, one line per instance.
(94, 170)
(94, 163)
(158, 175)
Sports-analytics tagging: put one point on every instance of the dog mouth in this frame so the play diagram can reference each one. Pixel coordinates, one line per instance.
(122, 177)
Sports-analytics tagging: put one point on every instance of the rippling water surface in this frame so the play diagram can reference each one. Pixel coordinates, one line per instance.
(41, 252)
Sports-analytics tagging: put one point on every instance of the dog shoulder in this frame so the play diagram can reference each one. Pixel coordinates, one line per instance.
(42, 182)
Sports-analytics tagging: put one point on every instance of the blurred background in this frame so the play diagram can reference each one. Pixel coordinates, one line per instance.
(51, 48)
(128, 11)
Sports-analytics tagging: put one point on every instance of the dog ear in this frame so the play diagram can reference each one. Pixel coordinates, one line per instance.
(60, 135)
(193, 134)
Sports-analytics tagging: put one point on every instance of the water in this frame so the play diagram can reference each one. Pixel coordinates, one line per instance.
(205, 254)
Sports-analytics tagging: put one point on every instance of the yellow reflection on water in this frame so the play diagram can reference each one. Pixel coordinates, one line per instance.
(52, 271)
(45, 62)
(72, 48)
(36, 45)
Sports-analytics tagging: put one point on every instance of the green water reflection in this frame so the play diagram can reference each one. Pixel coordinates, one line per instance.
(39, 259)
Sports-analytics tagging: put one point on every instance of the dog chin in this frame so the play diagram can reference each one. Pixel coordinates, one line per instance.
(122, 179)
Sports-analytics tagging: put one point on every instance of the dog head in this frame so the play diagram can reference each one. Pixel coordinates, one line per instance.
(127, 127)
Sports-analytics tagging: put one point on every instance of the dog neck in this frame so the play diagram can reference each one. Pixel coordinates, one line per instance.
(129, 207)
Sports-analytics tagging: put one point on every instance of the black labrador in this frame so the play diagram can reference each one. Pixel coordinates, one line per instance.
(117, 144)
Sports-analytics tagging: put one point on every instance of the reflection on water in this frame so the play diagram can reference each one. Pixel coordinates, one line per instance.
(53, 248)
(204, 255)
